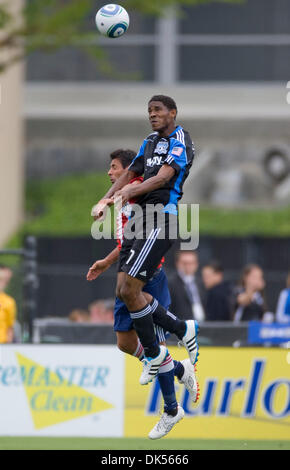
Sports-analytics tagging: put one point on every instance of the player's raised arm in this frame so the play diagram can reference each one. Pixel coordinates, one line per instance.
(99, 209)
(151, 184)
(135, 169)
(124, 179)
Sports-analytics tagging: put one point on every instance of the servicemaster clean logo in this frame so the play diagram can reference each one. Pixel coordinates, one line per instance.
(56, 396)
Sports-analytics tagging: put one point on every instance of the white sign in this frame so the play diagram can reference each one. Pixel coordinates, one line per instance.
(49, 390)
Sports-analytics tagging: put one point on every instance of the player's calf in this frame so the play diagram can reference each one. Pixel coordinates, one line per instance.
(128, 342)
(186, 331)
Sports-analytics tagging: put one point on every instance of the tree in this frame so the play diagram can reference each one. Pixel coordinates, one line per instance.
(50, 24)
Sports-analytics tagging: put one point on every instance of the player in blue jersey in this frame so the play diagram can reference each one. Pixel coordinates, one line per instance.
(127, 339)
(165, 158)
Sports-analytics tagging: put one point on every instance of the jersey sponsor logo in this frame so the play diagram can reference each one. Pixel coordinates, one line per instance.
(161, 148)
(177, 151)
(154, 161)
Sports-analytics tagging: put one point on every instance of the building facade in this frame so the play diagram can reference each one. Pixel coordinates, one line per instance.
(11, 147)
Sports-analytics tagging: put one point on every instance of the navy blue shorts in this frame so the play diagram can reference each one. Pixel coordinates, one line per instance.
(157, 287)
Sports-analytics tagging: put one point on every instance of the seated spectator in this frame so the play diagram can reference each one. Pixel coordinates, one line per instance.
(250, 300)
(218, 305)
(185, 288)
(283, 305)
(79, 316)
(7, 307)
(102, 312)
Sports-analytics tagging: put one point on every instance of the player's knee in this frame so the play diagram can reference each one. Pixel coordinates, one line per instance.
(128, 293)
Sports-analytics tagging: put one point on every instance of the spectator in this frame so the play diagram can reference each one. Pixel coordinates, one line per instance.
(79, 316)
(185, 289)
(218, 306)
(102, 312)
(283, 305)
(7, 273)
(7, 307)
(250, 300)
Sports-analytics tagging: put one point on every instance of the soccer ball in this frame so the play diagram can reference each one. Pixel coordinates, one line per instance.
(112, 20)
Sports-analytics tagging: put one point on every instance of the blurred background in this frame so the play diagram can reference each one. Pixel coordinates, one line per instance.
(69, 97)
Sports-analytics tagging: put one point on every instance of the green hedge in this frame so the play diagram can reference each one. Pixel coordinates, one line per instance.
(62, 206)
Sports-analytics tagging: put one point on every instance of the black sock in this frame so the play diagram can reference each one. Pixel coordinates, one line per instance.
(143, 324)
(178, 369)
(171, 412)
(167, 320)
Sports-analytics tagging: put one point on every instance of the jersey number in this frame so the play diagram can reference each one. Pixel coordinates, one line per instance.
(131, 256)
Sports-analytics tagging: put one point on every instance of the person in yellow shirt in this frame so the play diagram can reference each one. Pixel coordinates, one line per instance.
(7, 309)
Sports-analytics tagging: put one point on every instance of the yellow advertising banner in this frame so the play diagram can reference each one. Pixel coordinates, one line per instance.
(245, 394)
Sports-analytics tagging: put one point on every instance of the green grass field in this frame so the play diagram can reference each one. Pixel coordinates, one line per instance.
(47, 443)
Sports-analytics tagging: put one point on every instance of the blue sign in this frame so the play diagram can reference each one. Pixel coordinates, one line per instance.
(275, 333)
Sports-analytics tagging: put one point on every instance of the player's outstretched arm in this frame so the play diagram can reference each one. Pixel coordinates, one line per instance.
(102, 265)
(164, 175)
(99, 209)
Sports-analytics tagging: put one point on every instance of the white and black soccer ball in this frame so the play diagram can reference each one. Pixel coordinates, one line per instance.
(112, 20)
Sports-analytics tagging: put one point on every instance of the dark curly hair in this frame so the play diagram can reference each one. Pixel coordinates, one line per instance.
(125, 156)
(166, 100)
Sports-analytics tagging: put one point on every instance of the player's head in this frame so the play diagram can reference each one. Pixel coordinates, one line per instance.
(120, 160)
(212, 274)
(162, 112)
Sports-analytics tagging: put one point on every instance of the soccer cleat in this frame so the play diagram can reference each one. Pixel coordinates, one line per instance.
(151, 366)
(165, 424)
(189, 380)
(189, 340)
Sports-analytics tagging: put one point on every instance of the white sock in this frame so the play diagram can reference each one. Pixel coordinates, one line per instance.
(166, 365)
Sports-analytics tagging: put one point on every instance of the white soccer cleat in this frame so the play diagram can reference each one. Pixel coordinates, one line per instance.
(165, 424)
(189, 380)
(189, 340)
(151, 366)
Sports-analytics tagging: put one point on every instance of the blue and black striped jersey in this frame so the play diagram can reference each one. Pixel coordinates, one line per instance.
(176, 150)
